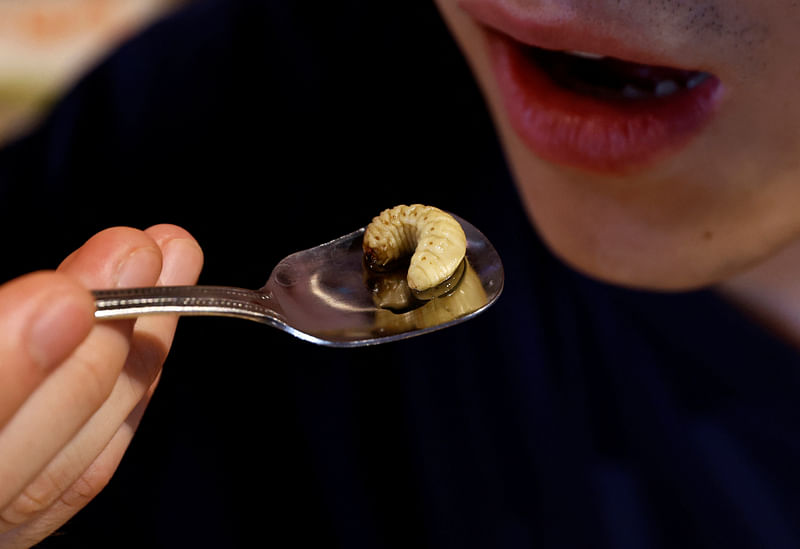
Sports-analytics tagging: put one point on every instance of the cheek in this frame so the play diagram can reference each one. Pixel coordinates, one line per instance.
(728, 202)
(725, 203)
(679, 232)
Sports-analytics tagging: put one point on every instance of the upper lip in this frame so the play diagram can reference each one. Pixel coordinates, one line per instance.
(572, 30)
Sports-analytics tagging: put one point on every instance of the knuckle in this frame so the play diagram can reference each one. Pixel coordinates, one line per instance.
(87, 486)
(48, 489)
(35, 498)
(94, 380)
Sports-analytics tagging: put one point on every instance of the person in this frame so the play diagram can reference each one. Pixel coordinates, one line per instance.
(84, 385)
(634, 386)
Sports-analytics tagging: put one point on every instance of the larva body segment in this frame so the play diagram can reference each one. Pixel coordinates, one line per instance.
(435, 239)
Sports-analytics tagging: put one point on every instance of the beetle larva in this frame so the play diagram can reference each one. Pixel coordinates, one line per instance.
(435, 238)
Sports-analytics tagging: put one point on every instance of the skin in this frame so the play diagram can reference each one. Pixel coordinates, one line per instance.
(721, 211)
(701, 214)
(83, 383)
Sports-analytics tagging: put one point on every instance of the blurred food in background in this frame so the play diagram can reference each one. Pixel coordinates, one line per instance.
(45, 45)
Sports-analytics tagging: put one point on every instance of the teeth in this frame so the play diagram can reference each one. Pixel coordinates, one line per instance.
(632, 92)
(665, 88)
(585, 54)
(697, 79)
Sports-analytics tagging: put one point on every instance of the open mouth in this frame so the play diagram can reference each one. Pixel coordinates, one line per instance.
(612, 79)
(596, 112)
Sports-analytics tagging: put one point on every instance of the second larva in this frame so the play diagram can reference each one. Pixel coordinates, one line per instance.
(436, 239)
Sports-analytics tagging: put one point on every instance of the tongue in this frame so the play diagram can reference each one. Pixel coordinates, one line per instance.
(613, 79)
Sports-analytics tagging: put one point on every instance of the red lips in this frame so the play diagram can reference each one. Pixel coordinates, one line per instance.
(593, 121)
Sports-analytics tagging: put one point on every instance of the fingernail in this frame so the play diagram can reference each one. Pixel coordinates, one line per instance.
(139, 268)
(59, 327)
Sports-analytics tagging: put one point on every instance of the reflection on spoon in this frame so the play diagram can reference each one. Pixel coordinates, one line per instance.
(467, 296)
(320, 295)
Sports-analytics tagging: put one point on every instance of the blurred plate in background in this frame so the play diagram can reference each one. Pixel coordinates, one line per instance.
(46, 44)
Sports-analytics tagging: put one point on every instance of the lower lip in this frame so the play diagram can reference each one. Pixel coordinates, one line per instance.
(592, 134)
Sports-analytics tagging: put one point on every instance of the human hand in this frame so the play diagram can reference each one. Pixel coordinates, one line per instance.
(72, 391)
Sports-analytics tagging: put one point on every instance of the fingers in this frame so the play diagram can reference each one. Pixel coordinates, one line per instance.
(43, 317)
(91, 481)
(183, 260)
(115, 258)
(65, 399)
(81, 469)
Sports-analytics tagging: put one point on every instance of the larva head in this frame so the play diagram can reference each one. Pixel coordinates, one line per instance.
(385, 240)
(436, 239)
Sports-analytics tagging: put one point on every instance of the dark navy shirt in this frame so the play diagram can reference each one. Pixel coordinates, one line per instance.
(572, 414)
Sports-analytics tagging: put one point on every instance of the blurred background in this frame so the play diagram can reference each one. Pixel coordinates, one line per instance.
(45, 45)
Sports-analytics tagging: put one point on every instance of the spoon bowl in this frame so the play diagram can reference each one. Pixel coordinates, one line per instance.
(321, 295)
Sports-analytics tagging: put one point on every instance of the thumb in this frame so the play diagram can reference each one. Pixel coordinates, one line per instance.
(44, 316)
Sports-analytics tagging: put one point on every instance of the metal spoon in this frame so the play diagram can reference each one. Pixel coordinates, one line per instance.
(321, 295)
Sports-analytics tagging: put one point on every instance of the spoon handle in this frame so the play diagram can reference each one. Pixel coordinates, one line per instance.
(186, 300)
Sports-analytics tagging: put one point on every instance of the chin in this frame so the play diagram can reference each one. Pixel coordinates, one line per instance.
(641, 162)
(622, 252)
(641, 272)
(620, 264)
